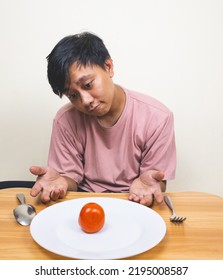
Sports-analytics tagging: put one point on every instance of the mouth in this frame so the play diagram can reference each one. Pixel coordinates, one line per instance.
(94, 108)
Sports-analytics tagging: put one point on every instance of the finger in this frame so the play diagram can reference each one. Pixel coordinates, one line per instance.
(36, 189)
(147, 200)
(158, 175)
(46, 196)
(158, 195)
(131, 196)
(134, 197)
(55, 194)
(62, 193)
(38, 170)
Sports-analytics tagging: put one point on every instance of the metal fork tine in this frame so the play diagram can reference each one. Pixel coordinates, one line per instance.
(174, 218)
(177, 219)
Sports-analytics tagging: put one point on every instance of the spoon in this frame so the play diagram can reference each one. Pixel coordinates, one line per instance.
(24, 213)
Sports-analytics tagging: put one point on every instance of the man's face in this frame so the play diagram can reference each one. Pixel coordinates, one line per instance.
(91, 88)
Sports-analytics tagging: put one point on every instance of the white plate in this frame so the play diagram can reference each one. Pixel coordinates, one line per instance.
(130, 229)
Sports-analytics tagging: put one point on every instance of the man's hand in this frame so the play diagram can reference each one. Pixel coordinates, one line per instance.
(147, 187)
(52, 185)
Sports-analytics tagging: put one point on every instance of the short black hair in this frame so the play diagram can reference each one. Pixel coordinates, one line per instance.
(83, 48)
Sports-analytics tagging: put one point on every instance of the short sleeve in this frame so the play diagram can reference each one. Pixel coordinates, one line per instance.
(66, 152)
(159, 152)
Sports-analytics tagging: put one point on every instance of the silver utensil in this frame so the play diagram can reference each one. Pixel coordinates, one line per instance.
(24, 213)
(174, 218)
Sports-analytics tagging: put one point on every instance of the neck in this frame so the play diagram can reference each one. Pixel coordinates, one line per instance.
(116, 109)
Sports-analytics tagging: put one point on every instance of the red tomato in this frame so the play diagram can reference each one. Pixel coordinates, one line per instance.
(91, 217)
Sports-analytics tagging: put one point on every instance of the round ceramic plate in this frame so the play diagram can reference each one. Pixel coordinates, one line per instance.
(130, 229)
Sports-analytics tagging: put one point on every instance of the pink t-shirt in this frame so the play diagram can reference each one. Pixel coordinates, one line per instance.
(108, 159)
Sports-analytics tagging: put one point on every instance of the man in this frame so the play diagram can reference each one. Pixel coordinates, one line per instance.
(108, 138)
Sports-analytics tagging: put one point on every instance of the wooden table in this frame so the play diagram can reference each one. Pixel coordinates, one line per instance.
(200, 237)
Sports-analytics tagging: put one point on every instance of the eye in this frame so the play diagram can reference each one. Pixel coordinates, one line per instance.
(73, 96)
(88, 85)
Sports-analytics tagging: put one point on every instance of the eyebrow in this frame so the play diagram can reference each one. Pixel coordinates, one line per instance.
(83, 78)
(79, 81)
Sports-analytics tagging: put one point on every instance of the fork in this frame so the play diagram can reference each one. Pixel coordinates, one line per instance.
(174, 218)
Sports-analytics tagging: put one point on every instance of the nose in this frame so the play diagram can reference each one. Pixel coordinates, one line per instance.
(86, 98)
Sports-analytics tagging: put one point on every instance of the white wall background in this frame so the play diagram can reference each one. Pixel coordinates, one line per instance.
(170, 49)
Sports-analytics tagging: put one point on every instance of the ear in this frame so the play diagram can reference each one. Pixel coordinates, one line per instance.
(109, 67)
